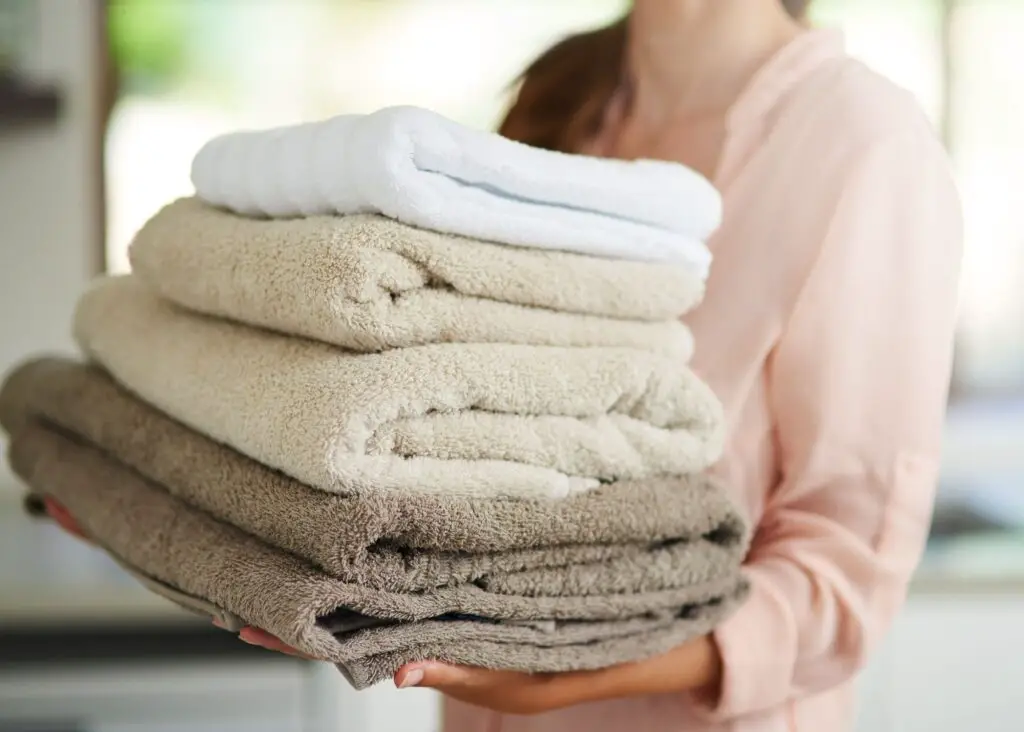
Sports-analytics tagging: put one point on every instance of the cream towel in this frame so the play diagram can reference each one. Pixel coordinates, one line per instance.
(394, 541)
(415, 166)
(368, 283)
(486, 420)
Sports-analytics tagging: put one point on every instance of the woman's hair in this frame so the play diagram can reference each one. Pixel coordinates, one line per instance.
(564, 92)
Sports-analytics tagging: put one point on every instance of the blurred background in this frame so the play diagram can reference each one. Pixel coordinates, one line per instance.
(103, 104)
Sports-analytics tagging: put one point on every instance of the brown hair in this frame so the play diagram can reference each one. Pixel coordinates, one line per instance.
(564, 92)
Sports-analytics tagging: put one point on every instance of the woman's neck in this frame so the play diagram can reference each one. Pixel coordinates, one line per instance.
(688, 58)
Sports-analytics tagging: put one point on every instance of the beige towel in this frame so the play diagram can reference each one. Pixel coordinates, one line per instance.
(470, 419)
(211, 566)
(368, 283)
(396, 542)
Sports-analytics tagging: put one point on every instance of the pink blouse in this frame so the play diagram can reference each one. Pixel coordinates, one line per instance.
(827, 331)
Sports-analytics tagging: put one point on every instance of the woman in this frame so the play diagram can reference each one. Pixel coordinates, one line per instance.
(827, 332)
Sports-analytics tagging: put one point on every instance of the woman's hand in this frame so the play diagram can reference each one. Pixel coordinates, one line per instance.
(257, 637)
(695, 667)
(63, 519)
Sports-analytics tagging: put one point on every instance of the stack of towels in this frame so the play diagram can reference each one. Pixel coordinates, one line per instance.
(393, 390)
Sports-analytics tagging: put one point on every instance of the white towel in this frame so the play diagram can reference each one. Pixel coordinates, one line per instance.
(423, 169)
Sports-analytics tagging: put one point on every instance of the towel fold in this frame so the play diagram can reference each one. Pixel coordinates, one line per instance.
(470, 419)
(420, 168)
(368, 283)
(202, 562)
(401, 543)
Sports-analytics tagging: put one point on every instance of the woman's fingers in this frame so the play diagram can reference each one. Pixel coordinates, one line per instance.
(263, 639)
(257, 637)
(509, 692)
(62, 518)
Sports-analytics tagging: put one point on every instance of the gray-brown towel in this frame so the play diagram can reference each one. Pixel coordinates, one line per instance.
(486, 420)
(391, 541)
(202, 563)
(369, 283)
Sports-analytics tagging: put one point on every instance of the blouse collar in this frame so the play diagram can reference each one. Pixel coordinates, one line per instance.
(783, 71)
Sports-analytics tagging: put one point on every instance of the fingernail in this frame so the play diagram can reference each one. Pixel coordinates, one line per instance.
(219, 623)
(413, 678)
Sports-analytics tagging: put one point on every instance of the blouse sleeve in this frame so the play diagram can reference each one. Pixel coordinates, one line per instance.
(858, 384)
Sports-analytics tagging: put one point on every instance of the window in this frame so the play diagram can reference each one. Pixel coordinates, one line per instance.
(192, 69)
(986, 119)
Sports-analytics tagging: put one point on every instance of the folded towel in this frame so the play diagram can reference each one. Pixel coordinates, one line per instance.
(368, 283)
(388, 541)
(470, 419)
(418, 167)
(202, 562)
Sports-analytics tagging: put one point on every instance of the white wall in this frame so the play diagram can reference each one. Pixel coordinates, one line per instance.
(47, 189)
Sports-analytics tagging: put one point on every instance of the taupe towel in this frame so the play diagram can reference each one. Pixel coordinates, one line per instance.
(203, 562)
(469, 419)
(369, 283)
(389, 541)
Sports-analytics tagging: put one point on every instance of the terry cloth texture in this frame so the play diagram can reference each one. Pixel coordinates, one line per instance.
(368, 283)
(415, 166)
(486, 420)
(391, 541)
(204, 563)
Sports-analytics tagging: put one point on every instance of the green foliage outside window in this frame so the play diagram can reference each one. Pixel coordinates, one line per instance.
(148, 40)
